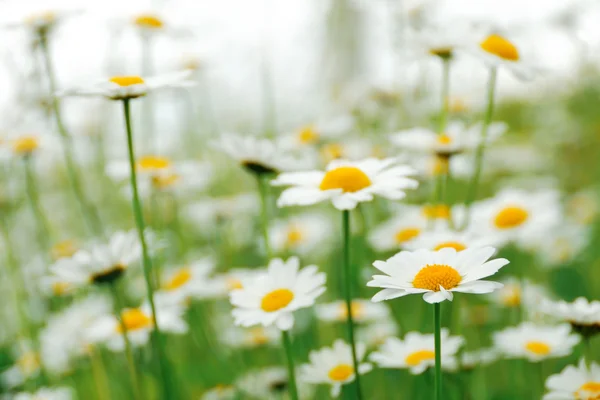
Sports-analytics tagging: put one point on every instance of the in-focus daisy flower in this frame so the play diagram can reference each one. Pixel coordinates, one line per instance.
(443, 237)
(131, 87)
(138, 324)
(333, 366)
(273, 296)
(258, 155)
(346, 183)
(363, 311)
(417, 352)
(437, 274)
(102, 263)
(497, 50)
(582, 314)
(220, 392)
(581, 382)
(57, 393)
(375, 334)
(518, 216)
(400, 230)
(300, 234)
(270, 383)
(535, 342)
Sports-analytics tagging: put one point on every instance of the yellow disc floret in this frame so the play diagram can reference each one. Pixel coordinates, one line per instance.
(431, 277)
(308, 135)
(148, 21)
(416, 358)
(180, 278)
(127, 80)
(511, 217)
(151, 163)
(458, 246)
(406, 234)
(538, 348)
(340, 372)
(349, 179)
(276, 300)
(134, 319)
(500, 47)
(26, 145)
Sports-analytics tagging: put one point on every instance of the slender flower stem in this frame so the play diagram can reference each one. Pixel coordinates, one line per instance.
(588, 353)
(437, 323)
(133, 374)
(347, 276)
(147, 261)
(43, 230)
(263, 187)
(287, 344)
(89, 212)
(480, 152)
(99, 373)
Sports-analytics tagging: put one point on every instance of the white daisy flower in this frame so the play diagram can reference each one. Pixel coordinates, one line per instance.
(353, 149)
(396, 233)
(582, 314)
(258, 155)
(478, 358)
(443, 237)
(363, 311)
(102, 263)
(234, 279)
(574, 383)
(24, 144)
(138, 324)
(333, 366)
(302, 234)
(376, 333)
(520, 293)
(131, 87)
(189, 281)
(346, 183)
(535, 343)
(519, 216)
(57, 393)
(561, 246)
(270, 383)
(247, 338)
(272, 297)
(583, 206)
(436, 274)
(441, 40)
(40, 20)
(220, 392)
(27, 366)
(311, 134)
(417, 352)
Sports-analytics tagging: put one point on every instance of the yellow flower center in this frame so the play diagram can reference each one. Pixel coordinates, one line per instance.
(28, 363)
(148, 21)
(182, 277)
(308, 135)
(333, 151)
(63, 249)
(134, 319)
(127, 80)
(416, 358)
(276, 300)
(444, 139)
(588, 391)
(340, 372)
(458, 246)
(294, 236)
(26, 145)
(538, 348)
(436, 211)
(234, 283)
(406, 234)
(510, 217)
(60, 288)
(431, 277)
(165, 181)
(512, 297)
(258, 336)
(356, 308)
(442, 52)
(152, 163)
(501, 47)
(458, 105)
(349, 179)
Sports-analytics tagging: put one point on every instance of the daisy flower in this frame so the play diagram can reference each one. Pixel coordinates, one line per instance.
(41, 20)
(346, 183)
(270, 383)
(25, 144)
(333, 366)
(273, 296)
(235, 279)
(376, 333)
(27, 366)
(138, 324)
(220, 392)
(519, 216)
(436, 274)
(248, 338)
(478, 358)
(301, 234)
(257, 155)
(518, 292)
(189, 281)
(444, 237)
(583, 206)
(582, 314)
(363, 311)
(496, 50)
(131, 87)
(563, 245)
(417, 352)
(102, 263)
(311, 134)
(406, 226)
(535, 343)
(58, 393)
(574, 383)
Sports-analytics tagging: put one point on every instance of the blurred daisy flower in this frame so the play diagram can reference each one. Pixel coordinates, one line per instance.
(270, 383)
(417, 352)
(496, 50)
(40, 19)
(535, 342)
(257, 155)
(376, 333)
(234, 279)
(102, 263)
(346, 183)
(311, 134)
(27, 144)
(57, 393)
(333, 366)
(408, 224)
(520, 293)
(437, 274)
(581, 382)
(470, 360)
(27, 366)
(272, 297)
(302, 234)
(363, 311)
(220, 392)
(248, 338)
(561, 246)
(131, 87)
(444, 237)
(189, 281)
(583, 206)
(582, 314)
(138, 324)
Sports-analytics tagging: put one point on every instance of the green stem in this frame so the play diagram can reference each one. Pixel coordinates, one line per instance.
(133, 374)
(263, 187)
(287, 344)
(480, 152)
(347, 277)
(31, 186)
(588, 353)
(89, 212)
(99, 374)
(147, 261)
(437, 323)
